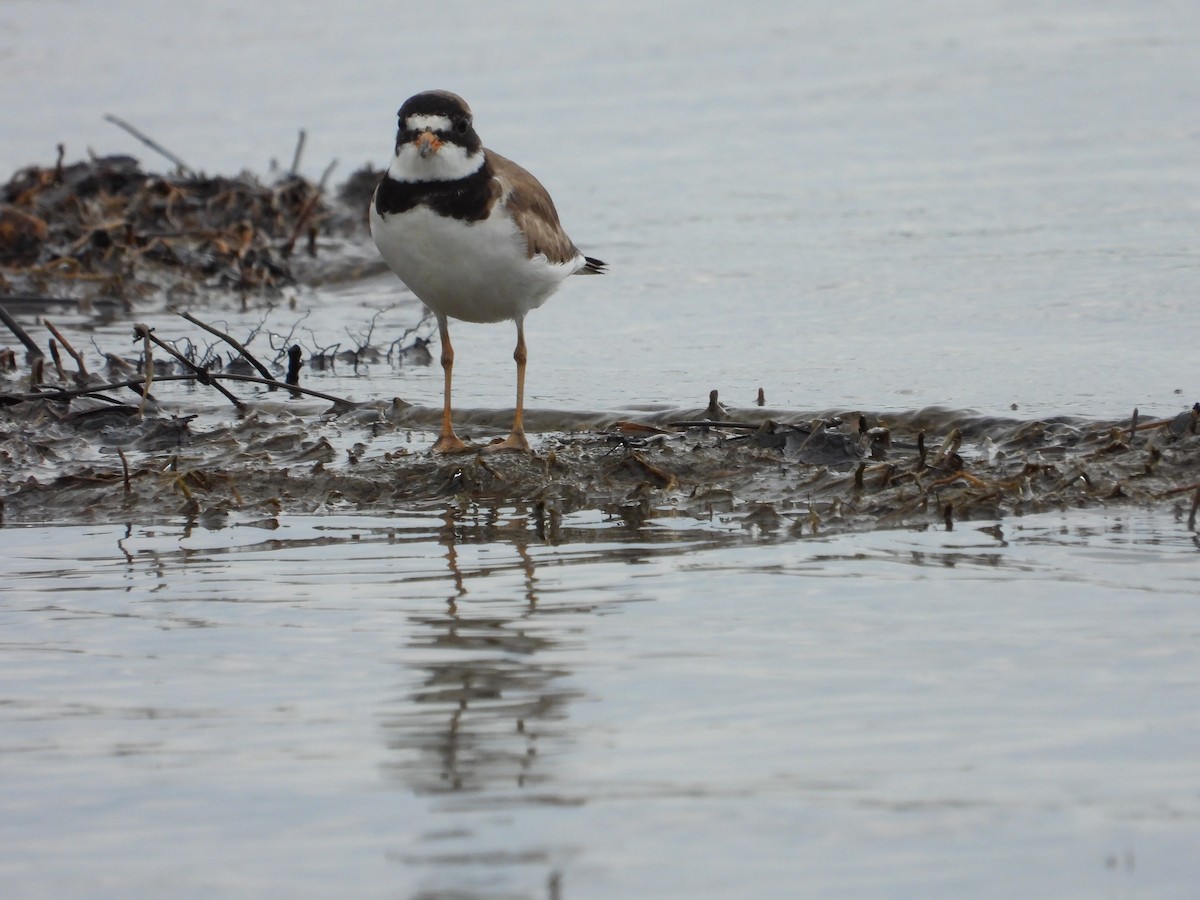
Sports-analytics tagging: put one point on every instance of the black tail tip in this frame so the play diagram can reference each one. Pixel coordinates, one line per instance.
(593, 266)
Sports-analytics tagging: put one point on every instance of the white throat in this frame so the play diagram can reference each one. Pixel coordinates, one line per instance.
(450, 163)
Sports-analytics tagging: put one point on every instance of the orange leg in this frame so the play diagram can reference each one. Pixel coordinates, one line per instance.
(516, 440)
(448, 441)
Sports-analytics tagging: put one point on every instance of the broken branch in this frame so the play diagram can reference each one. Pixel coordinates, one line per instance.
(236, 345)
(152, 144)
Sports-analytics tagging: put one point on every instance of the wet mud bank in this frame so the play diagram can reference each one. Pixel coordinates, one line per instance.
(772, 474)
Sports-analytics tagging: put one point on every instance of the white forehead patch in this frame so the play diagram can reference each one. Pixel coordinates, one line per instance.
(418, 122)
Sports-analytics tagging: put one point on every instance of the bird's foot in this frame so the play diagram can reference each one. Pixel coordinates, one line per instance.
(515, 443)
(450, 443)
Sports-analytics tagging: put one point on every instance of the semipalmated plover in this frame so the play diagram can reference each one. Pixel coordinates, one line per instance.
(471, 233)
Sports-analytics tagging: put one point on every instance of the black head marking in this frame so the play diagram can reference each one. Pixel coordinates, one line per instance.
(447, 105)
(434, 103)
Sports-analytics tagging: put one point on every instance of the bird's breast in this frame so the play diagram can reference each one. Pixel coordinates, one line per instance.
(475, 271)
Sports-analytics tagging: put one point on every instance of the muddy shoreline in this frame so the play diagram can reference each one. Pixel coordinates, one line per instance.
(807, 476)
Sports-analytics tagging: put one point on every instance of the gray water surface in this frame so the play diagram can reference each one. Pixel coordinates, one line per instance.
(452, 705)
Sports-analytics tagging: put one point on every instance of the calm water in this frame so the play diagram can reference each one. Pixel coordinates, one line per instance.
(865, 204)
(447, 702)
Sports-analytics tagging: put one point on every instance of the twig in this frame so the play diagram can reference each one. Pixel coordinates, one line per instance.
(948, 449)
(259, 326)
(201, 374)
(1194, 486)
(286, 342)
(322, 353)
(125, 470)
(58, 366)
(207, 378)
(299, 152)
(397, 345)
(262, 370)
(71, 351)
(305, 211)
(1147, 426)
(714, 410)
(710, 423)
(324, 180)
(30, 344)
(147, 365)
(152, 144)
(273, 384)
(963, 475)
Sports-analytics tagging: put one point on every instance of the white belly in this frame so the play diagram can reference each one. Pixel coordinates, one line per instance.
(476, 272)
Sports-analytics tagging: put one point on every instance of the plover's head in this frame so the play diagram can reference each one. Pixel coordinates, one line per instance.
(436, 140)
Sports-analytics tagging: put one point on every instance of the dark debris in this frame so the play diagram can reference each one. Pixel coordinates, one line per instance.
(106, 223)
(749, 471)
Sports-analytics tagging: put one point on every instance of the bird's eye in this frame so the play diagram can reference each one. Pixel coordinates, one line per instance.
(462, 125)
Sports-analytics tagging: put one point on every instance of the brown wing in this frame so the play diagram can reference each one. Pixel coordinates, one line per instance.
(531, 206)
